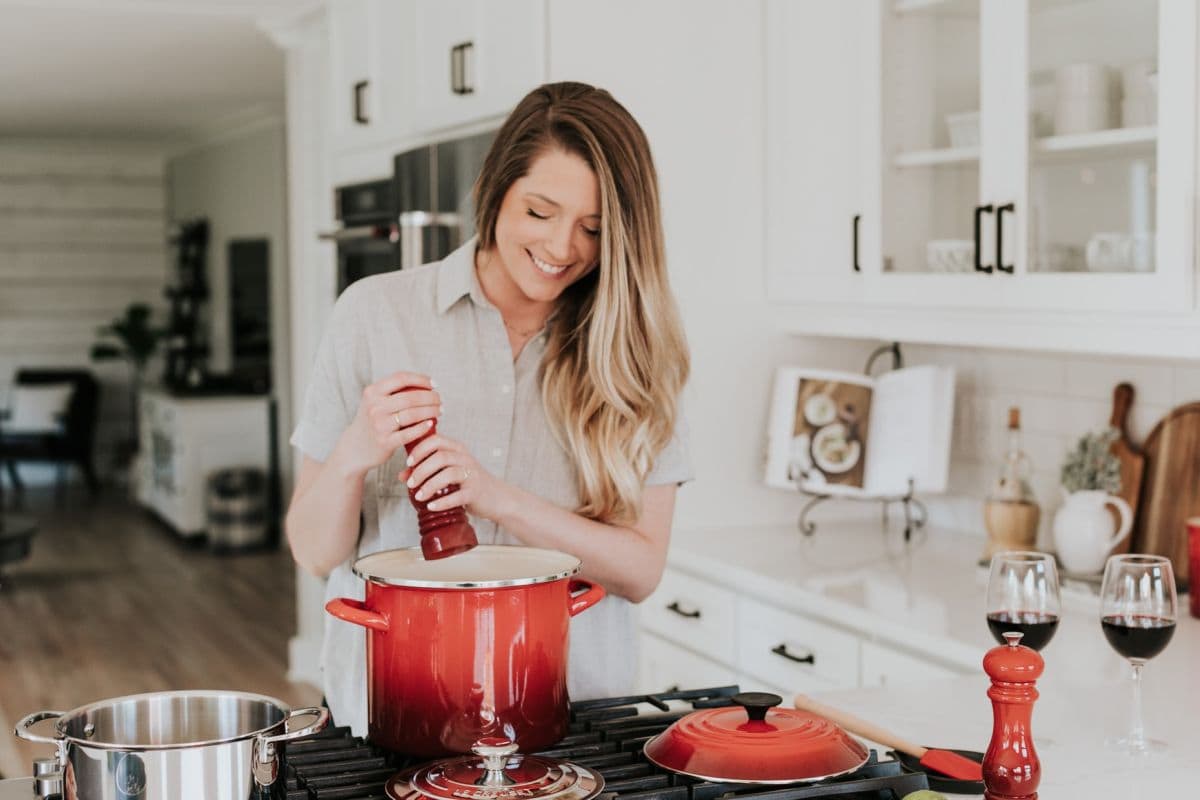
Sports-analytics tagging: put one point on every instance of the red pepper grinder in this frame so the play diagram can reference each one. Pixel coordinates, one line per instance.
(1011, 769)
(446, 532)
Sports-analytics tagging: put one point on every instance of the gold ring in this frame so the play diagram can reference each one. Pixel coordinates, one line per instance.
(466, 473)
(396, 417)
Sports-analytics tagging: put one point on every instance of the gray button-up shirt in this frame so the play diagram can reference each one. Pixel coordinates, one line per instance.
(435, 320)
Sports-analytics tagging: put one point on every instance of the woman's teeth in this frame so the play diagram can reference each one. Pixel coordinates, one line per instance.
(546, 267)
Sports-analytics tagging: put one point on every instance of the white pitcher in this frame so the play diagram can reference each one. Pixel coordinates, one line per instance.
(1083, 529)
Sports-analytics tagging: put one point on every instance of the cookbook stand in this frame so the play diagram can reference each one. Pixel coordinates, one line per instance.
(915, 514)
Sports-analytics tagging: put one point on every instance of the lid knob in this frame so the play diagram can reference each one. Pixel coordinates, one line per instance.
(495, 752)
(757, 704)
(1013, 638)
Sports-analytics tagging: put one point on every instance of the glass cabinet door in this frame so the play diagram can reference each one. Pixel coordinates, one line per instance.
(1108, 199)
(929, 125)
(1093, 167)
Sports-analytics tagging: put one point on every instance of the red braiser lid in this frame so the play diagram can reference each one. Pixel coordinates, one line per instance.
(754, 742)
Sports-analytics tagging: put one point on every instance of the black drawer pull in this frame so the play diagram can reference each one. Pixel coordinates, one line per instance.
(360, 113)
(979, 212)
(854, 262)
(781, 650)
(1000, 237)
(694, 614)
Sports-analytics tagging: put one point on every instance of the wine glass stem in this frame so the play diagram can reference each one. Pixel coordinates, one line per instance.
(1137, 736)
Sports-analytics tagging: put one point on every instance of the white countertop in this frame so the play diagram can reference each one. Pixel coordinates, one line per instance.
(929, 596)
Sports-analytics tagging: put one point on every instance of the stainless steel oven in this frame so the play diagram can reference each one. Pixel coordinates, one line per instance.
(368, 239)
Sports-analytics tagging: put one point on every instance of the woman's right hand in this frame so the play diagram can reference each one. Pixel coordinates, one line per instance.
(393, 412)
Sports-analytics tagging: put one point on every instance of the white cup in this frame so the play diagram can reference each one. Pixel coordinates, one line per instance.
(1139, 79)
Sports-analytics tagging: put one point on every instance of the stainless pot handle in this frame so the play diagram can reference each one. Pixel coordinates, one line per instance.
(60, 743)
(266, 763)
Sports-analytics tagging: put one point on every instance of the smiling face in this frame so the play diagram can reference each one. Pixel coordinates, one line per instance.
(547, 232)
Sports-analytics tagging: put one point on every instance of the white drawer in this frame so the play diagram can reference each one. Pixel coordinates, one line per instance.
(886, 666)
(794, 652)
(694, 613)
(665, 666)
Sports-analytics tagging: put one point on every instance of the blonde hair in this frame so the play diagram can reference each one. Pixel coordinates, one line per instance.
(616, 356)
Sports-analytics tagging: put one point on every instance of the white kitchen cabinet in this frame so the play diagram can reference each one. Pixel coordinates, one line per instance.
(1019, 214)
(887, 666)
(790, 650)
(183, 440)
(475, 58)
(697, 632)
(665, 666)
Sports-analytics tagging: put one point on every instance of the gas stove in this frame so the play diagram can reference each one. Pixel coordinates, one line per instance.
(607, 736)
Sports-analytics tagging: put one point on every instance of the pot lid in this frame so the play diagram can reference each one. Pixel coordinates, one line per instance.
(754, 742)
(483, 567)
(496, 772)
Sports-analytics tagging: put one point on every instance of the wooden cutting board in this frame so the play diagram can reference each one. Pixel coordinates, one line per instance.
(1133, 462)
(1170, 488)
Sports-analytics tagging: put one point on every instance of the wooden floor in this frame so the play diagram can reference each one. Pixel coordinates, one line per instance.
(110, 603)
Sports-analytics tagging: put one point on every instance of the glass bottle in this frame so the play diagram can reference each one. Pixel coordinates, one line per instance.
(1011, 512)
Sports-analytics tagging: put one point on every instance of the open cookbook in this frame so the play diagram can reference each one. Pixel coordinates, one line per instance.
(841, 433)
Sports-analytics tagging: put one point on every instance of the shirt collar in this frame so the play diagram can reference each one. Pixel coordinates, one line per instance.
(456, 278)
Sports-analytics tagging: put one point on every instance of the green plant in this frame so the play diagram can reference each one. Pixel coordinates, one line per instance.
(130, 337)
(1091, 465)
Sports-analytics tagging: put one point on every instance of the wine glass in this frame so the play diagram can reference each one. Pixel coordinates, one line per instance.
(1023, 596)
(1137, 613)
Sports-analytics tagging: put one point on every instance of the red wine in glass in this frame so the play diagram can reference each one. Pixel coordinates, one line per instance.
(1137, 635)
(1037, 627)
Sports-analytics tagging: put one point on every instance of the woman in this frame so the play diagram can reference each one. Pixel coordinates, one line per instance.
(558, 357)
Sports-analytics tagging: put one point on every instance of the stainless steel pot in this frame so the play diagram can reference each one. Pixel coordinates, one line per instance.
(190, 745)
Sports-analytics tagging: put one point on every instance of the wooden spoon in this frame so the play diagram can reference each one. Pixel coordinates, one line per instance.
(945, 762)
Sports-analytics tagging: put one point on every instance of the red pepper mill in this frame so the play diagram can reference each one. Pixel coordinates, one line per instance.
(446, 532)
(1011, 769)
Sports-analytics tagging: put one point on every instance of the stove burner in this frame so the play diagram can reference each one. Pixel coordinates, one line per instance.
(606, 735)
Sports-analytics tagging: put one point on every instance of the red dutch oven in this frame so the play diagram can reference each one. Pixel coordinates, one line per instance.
(466, 648)
(754, 742)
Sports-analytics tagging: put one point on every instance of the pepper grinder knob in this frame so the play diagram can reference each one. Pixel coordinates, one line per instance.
(1011, 768)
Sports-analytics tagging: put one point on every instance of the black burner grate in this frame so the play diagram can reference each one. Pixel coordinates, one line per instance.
(605, 735)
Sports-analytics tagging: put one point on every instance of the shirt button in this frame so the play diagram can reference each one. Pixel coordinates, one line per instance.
(505, 389)
(496, 452)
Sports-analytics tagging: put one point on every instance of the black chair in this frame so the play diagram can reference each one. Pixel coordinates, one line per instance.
(72, 444)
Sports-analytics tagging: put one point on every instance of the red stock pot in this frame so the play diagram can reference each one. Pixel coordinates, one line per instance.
(465, 648)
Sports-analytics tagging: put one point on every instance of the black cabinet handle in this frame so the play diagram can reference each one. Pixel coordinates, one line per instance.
(693, 614)
(460, 68)
(1000, 237)
(979, 212)
(781, 650)
(857, 219)
(360, 114)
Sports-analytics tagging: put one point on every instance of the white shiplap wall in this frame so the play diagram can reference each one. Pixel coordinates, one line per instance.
(82, 235)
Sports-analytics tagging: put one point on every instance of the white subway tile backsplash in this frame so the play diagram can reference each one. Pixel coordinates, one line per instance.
(1061, 397)
(1096, 378)
(1021, 373)
(1187, 385)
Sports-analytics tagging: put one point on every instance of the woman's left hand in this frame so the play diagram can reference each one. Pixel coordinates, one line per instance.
(438, 462)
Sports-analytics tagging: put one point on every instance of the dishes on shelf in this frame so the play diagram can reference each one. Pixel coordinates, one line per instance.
(1120, 252)
(949, 255)
(820, 410)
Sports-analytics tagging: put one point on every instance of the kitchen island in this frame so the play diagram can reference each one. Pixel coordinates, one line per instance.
(928, 597)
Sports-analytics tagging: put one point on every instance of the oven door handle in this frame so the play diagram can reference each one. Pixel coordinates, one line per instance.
(389, 232)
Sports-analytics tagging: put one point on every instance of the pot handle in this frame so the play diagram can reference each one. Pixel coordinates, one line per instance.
(579, 602)
(60, 742)
(266, 761)
(357, 612)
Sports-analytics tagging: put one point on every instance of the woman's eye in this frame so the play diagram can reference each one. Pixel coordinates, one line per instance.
(534, 214)
(592, 232)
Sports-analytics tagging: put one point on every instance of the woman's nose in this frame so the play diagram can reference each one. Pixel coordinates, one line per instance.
(558, 246)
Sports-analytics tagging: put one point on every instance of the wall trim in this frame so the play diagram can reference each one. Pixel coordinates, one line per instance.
(263, 116)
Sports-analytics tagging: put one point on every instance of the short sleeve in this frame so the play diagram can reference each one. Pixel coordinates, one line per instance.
(674, 462)
(338, 377)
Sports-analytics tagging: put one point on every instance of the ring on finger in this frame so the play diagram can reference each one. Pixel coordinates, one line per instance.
(466, 474)
(396, 417)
